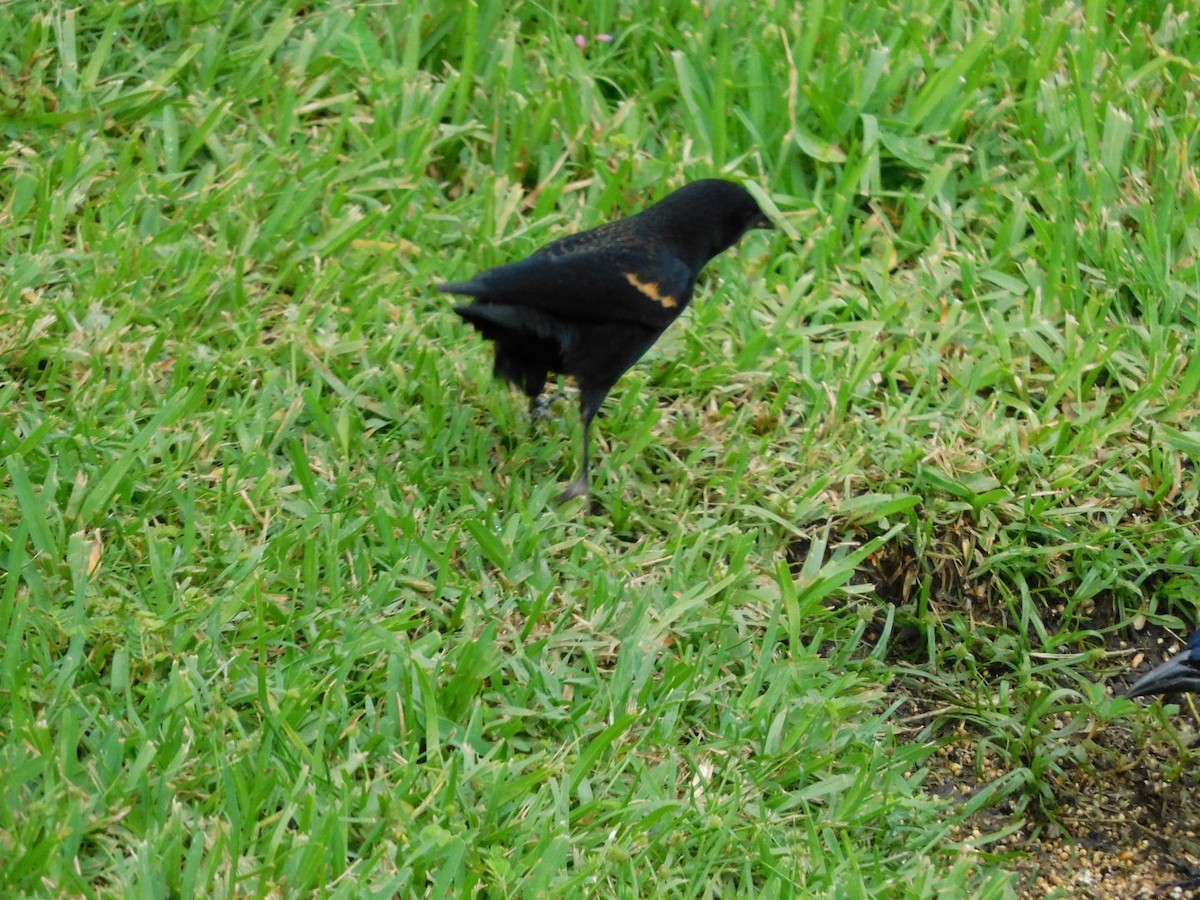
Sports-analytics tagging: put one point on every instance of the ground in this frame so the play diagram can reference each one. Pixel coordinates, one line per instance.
(1120, 825)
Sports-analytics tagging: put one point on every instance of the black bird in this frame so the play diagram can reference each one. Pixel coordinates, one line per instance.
(1177, 675)
(590, 304)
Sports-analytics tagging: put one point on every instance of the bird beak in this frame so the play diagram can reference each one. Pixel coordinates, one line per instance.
(1177, 674)
(761, 221)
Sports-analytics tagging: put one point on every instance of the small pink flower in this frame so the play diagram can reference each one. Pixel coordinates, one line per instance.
(580, 40)
(605, 38)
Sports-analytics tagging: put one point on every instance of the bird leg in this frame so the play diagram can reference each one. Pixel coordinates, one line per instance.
(589, 404)
(581, 485)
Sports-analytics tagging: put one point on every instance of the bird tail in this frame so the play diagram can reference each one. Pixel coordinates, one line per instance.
(470, 313)
(496, 319)
(470, 288)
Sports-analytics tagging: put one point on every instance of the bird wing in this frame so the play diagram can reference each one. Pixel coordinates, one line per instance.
(611, 237)
(596, 286)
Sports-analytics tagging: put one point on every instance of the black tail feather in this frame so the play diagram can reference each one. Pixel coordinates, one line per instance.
(466, 288)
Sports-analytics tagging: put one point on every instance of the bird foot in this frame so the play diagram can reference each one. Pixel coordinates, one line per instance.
(577, 488)
(539, 406)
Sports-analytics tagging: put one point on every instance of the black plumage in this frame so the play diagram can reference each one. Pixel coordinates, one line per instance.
(590, 304)
(1179, 674)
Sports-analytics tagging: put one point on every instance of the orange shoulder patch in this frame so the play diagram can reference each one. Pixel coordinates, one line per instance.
(650, 289)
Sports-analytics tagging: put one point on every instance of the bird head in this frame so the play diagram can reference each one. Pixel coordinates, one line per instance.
(708, 216)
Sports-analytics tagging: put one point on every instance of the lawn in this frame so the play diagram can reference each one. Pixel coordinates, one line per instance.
(286, 606)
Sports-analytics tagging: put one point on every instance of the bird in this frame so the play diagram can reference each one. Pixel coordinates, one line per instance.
(1179, 674)
(590, 304)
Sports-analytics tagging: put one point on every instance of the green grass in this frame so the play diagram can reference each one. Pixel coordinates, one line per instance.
(285, 605)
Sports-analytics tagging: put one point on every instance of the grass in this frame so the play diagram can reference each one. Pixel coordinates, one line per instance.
(285, 606)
